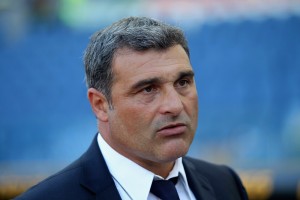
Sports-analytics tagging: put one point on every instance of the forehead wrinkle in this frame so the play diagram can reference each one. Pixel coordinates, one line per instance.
(157, 54)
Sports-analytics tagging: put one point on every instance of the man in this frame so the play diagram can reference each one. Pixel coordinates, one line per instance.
(141, 88)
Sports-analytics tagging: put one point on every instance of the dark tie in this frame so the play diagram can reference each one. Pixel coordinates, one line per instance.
(165, 189)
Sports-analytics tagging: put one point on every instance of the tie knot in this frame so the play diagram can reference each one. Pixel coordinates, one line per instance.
(165, 189)
(174, 180)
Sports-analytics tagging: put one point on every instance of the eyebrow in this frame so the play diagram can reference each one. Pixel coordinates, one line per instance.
(188, 73)
(158, 80)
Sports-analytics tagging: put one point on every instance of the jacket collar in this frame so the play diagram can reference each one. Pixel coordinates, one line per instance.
(199, 184)
(95, 175)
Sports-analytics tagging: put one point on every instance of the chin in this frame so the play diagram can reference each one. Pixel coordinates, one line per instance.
(173, 154)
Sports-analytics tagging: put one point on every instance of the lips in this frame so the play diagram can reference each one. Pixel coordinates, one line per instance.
(172, 129)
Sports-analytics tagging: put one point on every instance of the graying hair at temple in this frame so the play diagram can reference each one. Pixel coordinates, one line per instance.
(135, 33)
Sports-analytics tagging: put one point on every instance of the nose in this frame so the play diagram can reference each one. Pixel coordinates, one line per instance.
(171, 102)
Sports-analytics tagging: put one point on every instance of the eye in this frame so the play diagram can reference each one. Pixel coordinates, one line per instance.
(182, 83)
(149, 89)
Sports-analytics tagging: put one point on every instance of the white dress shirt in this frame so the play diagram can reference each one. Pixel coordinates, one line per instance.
(133, 181)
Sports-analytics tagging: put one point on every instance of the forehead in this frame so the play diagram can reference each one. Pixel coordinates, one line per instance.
(130, 65)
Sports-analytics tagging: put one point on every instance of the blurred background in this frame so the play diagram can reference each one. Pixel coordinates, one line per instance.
(246, 55)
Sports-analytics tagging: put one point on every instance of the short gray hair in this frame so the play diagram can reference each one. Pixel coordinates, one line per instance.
(134, 33)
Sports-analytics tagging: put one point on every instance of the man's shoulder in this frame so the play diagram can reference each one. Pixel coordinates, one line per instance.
(73, 181)
(224, 180)
(58, 185)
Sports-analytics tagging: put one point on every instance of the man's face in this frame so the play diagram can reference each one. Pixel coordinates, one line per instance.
(155, 105)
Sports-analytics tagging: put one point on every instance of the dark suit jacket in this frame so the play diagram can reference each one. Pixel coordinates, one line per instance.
(89, 178)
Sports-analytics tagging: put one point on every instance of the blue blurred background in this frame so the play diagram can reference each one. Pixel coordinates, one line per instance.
(246, 56)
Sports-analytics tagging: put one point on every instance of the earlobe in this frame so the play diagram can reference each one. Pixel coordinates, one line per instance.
(99, 104)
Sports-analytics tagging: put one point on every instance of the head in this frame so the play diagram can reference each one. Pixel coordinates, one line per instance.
(136, 33)
(142, 90)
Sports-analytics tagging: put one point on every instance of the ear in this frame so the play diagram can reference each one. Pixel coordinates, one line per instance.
(99, 104)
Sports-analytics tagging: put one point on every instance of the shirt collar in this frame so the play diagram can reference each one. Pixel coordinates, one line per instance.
(130, 176)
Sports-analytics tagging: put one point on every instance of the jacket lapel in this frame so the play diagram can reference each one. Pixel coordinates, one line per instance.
(199, 185)
(95, 175)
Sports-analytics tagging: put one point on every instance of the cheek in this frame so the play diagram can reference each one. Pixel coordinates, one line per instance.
(132, 118)
(191, 108)
(192, 104)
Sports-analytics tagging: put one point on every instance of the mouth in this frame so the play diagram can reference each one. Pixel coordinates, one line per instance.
(172, 129)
